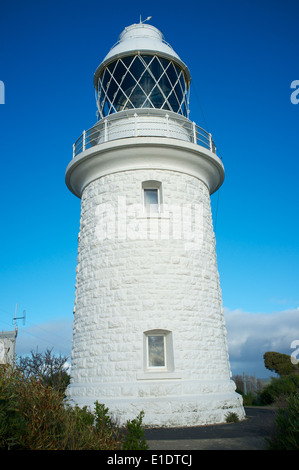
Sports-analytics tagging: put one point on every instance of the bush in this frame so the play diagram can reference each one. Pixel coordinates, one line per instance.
(282, 386)
(134, 439)
(232, 418)
(287, 424)
(249, 399)
(34, 416)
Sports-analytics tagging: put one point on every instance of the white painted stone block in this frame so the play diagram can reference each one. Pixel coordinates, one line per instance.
(127, 285)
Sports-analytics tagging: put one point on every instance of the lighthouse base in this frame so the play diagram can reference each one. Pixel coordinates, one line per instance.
(174, 411)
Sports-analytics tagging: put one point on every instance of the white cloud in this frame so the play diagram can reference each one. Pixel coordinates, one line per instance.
(250, 335)
(56, 335)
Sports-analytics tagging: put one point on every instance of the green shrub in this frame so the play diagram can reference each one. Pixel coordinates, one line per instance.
(11, 423)
(35, 416)
(102, 418)
(232, 418)
(286, 385)
(287, 426)
(248, 399)
(134, 437)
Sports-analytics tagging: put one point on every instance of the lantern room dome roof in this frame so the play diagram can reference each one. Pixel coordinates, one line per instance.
(141, 38)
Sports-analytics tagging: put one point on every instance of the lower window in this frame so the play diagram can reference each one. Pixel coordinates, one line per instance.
(158, 351)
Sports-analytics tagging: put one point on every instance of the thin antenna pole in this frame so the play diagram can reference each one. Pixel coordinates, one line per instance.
(19, 318)
(16, 315)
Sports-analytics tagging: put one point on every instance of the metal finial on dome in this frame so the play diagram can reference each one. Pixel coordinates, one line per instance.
(147, 19)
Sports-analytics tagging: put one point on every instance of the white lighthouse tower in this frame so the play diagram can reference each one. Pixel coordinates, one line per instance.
(148, 330)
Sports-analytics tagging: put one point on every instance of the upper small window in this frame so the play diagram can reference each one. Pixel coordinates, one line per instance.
(152, 197)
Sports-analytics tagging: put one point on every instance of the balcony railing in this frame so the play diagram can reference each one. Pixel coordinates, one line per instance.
(140, 124)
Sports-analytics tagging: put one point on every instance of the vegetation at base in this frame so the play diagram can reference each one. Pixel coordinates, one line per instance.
(279, 389)
(232, 418)
(281, 392)
(34, 415)
(286, 436)
(134, 439)
(254, 392)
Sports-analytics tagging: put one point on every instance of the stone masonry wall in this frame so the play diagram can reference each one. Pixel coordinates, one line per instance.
(137, 273)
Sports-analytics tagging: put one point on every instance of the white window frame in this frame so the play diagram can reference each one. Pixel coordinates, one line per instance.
(168, 352)
(151, 184)
(166, 372)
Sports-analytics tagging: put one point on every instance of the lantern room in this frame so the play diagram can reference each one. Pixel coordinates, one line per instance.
(142, 71)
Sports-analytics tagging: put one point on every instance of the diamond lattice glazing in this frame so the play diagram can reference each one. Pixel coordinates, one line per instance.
(142, 81)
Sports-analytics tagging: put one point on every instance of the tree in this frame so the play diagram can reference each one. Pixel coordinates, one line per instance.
(280, 363)
(51, 369)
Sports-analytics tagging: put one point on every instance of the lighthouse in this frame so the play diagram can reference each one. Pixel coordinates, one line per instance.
(148, 330)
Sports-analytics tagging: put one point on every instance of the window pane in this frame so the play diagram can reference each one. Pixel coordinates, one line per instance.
(151, 197)
(156, 68)
(156, 356)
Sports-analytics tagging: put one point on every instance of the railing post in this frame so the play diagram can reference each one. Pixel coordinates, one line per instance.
(211, 142)
(167, 125)
(84, 141)
(194, 133)
(105, 130)
(74, 150)
(135, 125)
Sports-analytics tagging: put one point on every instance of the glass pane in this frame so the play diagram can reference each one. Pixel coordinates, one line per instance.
(147, 104)
(171, 73)
(156, 68)
(127, 60)
(151, 198)
(165, 84)
(146, 82)
(119, 71)
(137, 68)
(147, 58)
(102, 84)
(156, 356)
(156, 97)
(128, 84)
(172, 100)
(137, 97)
(119, 100)
(179, 92)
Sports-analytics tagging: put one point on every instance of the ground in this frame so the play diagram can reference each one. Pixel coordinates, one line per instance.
(249, 434)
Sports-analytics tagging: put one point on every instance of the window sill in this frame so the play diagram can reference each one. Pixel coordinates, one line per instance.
(153, 216)
(158, 375)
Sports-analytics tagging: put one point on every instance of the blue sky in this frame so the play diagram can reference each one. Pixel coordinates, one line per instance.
(243, 57)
